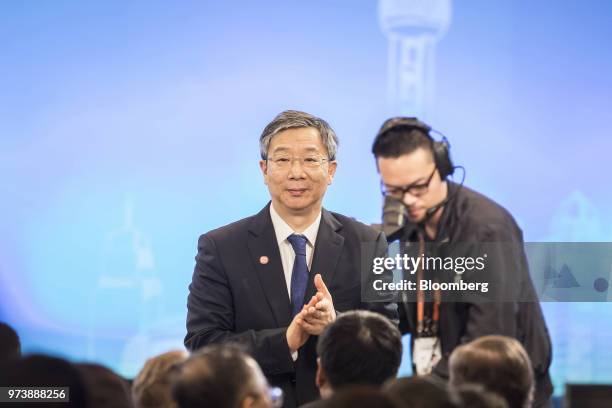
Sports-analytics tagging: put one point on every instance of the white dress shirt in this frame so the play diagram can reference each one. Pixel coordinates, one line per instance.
(283, 230)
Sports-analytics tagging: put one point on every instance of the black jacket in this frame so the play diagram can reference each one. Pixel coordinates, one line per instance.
(470, 217)
(234, 297)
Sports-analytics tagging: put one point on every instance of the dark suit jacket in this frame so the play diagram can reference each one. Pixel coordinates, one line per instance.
(234, 297)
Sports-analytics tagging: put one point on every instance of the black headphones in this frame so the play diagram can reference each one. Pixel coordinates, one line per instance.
(441, 149)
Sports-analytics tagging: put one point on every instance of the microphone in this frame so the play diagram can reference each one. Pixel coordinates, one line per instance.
(395, 216)
(395, 212)
(431, 210)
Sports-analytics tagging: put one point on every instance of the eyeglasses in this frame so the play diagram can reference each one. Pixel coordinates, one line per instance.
(308, 162)
(416, 190)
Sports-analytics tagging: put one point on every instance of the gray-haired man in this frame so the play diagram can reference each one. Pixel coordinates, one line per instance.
(274, 281)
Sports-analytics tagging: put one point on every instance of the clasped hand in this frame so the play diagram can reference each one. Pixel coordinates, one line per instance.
(313, 318)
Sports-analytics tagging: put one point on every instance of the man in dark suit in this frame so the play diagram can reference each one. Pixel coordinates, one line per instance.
(275, 280)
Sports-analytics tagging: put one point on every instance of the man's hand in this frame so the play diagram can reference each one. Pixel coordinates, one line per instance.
(317, 316)
(296, 335)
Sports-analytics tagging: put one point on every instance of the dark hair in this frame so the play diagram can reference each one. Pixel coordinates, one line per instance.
(152, 386)
(44, 371)
(476, 396)
(498, 363)
(419, 392)
(215, 376)
(400, 140)
(105, 388)
(360, 347)
(359, 396)
(10, 347)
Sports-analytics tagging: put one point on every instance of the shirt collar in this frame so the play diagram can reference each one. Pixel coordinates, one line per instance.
(283, 230)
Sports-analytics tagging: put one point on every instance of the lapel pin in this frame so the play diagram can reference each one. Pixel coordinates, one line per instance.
(263, 260)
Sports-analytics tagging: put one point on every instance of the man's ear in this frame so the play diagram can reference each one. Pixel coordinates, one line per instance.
(320, 380)
(248, 402)
(331, 171)
(263, 165)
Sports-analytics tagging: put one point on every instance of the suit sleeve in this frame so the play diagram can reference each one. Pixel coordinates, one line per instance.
(385, 304)
(210, 315)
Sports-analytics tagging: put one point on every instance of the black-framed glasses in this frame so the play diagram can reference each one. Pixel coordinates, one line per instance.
(416, 190)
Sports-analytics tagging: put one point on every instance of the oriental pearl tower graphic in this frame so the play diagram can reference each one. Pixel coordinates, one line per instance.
(413, 27)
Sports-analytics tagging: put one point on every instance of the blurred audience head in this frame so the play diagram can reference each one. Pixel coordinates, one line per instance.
(476, 396)
(221, 376)
(44, 371)
(105, 388)
(360, 347)
(498, 363)
(10, 347)
(419, 392)
(152, 387)
(358, 396)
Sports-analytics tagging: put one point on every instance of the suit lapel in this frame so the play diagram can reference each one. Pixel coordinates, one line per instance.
(262, 243)
(328, 248)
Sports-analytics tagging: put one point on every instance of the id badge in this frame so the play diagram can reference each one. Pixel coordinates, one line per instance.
(426, 353)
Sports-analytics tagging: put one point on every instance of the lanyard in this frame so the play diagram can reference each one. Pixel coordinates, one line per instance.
(421, 297)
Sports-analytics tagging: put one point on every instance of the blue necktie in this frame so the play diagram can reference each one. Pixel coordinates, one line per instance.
(299, 275)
